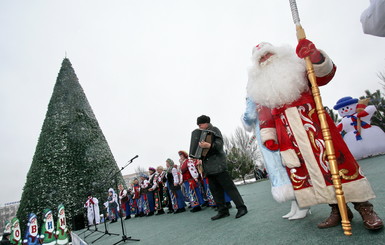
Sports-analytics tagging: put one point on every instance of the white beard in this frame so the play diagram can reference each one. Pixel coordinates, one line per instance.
(278, 81)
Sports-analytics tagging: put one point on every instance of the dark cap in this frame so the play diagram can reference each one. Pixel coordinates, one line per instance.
(203, 119)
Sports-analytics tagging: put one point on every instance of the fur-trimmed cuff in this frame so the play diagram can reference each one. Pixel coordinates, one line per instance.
(268, 134)
(290, 159)
(323, 69)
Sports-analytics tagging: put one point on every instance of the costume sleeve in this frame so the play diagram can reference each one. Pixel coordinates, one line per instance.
(95, 200)
(267, 124)
(174, 172)
(154, 182)
(193, 170)
(250, 116)
(373, 18)
(324, 71)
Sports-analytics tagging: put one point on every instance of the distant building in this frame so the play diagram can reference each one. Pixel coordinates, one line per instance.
(7, 212)
(128, 178)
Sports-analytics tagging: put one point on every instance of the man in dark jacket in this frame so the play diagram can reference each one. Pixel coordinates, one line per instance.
(215, 168)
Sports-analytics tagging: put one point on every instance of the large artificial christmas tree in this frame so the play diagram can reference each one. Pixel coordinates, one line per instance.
(72, 156)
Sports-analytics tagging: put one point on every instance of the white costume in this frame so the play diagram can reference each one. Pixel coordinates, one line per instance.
(92, 211)
(373, 18)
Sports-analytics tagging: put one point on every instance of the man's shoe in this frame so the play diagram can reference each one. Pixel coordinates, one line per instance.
(241, 212)
(369, 216)
(335, 217)
(196, 209)
(220, 216)
(128, 217)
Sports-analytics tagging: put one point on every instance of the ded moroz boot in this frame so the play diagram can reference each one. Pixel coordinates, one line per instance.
(335, 217)
(370, 218)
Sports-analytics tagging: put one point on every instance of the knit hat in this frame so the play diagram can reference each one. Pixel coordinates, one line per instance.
(203, 119)
(183, 153)
(348, 100)
(151, 169)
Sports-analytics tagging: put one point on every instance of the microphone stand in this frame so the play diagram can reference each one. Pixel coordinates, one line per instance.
(105, 230)
(124, 237)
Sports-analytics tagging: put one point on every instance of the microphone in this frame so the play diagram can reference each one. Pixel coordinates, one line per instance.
(134, 158)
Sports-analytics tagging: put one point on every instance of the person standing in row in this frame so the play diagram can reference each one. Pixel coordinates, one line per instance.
(161, 191)
(124, 198)
(136, 197)
(144, 207)
(190, 177)
(215, 168)
(176, 196)
(113, 205)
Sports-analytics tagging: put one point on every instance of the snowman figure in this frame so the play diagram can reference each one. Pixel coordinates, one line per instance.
(62, 230)
(7, 226)
(47, 234)
(16, 232)
(362, 138)
(31, 233)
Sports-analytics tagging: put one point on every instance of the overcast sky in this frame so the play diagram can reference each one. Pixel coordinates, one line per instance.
(149, 68)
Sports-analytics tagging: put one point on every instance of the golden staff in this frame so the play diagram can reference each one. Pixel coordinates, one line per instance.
(330, 153)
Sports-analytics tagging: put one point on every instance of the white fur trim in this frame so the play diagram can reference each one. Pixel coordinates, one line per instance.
(325, 67)
(304, 146)
(283, 193)
(355, 191)
(290, 159)
(268, 134)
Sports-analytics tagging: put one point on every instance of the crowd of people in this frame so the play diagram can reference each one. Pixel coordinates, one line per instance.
(199, 183)
(171, 189)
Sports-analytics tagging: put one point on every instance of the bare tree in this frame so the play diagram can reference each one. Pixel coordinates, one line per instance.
(241, 153)
(139, 170)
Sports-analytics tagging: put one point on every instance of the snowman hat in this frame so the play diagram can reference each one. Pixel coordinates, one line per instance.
(348, 100)
(32, 216)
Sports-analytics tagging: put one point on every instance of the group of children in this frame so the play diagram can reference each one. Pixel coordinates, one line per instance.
(170, 188)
